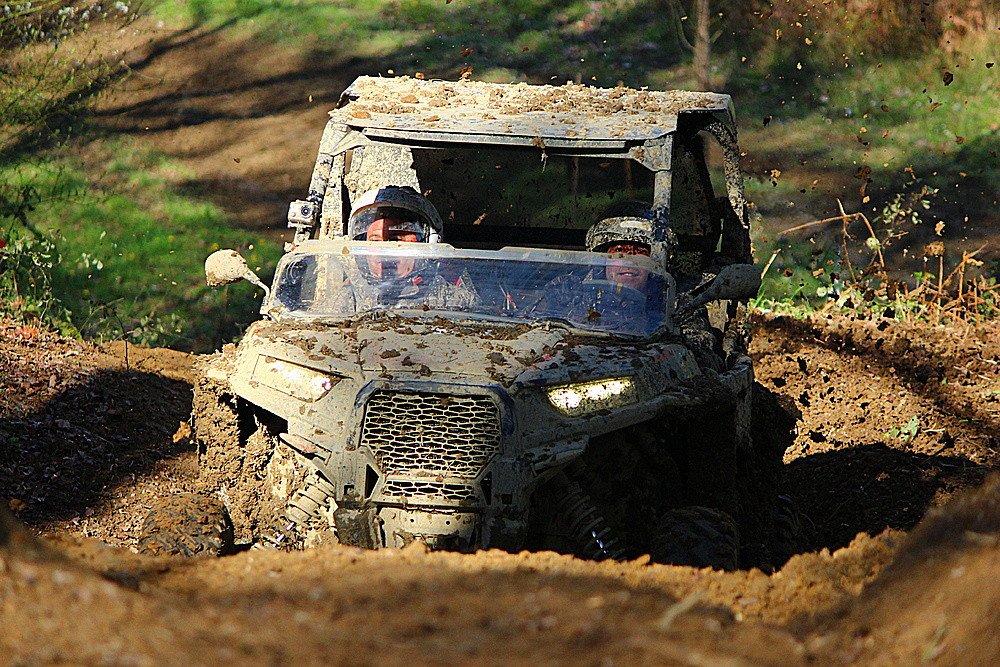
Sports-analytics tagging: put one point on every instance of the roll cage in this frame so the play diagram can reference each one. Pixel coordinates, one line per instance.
(658, 130)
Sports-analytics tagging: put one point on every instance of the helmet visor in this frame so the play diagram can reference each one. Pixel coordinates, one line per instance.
(387, 223)
(624, 248)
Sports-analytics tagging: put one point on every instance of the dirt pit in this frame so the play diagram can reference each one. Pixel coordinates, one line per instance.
(896, 441)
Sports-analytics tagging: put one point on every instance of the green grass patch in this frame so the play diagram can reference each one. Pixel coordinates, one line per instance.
(131, 252)
(935, 113)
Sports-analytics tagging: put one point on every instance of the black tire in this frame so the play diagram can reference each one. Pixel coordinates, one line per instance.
(696, 536)
(789, 527)
(187, 524)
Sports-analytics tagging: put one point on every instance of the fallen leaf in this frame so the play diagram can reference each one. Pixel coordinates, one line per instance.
(935, 105)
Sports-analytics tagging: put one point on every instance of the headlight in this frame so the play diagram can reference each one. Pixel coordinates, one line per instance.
(582, 398)
(288, 378)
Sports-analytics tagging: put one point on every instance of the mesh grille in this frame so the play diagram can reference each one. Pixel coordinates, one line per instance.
(438, 434)
(459, 493)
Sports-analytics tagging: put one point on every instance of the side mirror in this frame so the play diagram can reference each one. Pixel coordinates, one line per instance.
(227, 266)
(735, 282)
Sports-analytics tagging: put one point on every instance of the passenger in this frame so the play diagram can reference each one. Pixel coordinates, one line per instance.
(619, 297)
(628, 234)
(631, 233)
(398, 279)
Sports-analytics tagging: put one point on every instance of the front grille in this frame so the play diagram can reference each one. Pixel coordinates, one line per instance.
(406, 488)
(431, 434)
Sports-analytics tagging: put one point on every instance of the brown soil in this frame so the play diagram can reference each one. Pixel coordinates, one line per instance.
(88, 441)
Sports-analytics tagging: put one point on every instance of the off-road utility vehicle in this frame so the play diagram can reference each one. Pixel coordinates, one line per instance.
(497, 384)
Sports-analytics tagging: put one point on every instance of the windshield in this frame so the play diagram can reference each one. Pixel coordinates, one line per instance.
(622, 294)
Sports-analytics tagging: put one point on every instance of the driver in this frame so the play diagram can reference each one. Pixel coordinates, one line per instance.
(391, 278)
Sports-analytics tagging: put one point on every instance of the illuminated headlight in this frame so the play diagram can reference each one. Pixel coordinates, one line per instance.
(288, 378)
(583, 398)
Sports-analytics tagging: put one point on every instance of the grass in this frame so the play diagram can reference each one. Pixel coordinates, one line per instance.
(854, 277)
(888, 124)
(500, 40)
(132, 251)
(933, 113)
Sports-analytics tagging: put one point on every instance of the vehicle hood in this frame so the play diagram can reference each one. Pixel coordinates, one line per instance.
(444, 351)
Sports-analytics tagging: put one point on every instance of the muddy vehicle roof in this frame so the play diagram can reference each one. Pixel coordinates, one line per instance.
(572, 115)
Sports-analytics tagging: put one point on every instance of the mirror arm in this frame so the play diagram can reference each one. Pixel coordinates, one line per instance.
(252, 278)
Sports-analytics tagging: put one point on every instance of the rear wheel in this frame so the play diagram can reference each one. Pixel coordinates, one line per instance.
(696, 536)
(187, 524)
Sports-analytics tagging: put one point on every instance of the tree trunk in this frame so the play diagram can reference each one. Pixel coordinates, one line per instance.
(702, 46)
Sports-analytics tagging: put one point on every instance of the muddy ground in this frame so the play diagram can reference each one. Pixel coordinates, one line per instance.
(898, 566)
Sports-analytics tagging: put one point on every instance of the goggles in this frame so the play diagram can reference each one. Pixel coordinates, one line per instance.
(398, 222)
(627, 249)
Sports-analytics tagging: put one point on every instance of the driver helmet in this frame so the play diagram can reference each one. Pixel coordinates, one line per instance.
(409, 211)
(628, 228)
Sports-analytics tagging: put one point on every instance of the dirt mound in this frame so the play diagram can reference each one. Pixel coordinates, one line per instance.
(939, 600)
(77, 423)
(874, 602)
(881, 438)
(82, 455)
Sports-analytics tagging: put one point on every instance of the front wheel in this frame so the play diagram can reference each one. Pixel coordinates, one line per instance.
(696, 536)
(187, 524)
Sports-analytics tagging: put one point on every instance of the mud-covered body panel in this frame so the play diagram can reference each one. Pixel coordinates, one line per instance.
(512, 368)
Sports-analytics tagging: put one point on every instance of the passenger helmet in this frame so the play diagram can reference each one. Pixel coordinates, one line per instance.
(414, 213)
(630, 222)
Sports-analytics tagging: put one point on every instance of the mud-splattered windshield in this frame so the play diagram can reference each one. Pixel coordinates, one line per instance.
(623, 294)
